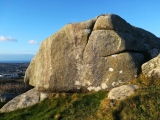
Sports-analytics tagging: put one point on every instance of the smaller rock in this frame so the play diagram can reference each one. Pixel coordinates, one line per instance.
(152, 68)
(122, 92)
(27, 99)
(43, 95)
(114, 84)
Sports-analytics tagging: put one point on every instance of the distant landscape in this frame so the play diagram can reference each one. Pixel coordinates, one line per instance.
(13, 70)
(11, 80)
(15, 58)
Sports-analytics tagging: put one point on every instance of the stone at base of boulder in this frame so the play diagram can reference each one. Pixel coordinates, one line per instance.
(122, 92)
(27, 99)
(155, 73)
(151, 68)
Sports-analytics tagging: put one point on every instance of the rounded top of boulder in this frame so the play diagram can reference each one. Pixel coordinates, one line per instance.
(111, 22)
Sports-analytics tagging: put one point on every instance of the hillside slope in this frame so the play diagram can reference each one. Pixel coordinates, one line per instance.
(144, 105)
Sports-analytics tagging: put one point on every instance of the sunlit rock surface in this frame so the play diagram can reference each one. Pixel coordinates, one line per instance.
(94, 55)
(152, 68)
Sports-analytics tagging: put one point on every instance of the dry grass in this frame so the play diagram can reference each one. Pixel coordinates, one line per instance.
(13, 86)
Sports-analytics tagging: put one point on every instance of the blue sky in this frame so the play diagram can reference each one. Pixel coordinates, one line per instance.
(24, 24)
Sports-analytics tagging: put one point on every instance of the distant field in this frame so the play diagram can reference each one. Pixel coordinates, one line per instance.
(13, 86)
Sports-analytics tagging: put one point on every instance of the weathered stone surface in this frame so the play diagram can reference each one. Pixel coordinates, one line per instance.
(112, 22)
(154, 52)
(149, 39)
(152, 68)
(122, 92)
(108, 42)
(94, 55)
(55, 65)
(110, 71)
(27, 99)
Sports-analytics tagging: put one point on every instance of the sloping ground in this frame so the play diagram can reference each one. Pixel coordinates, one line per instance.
(144, 105)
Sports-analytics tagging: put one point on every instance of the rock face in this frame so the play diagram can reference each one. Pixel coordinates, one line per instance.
(152, 68)
(122, 92)
(29, 98)
(94, 55)
(154, 52)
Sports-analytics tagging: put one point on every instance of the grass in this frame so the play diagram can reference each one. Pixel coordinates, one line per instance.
(144, 105)
(61, 106)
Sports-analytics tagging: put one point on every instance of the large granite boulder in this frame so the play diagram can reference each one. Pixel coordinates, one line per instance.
(92, 55)
(152, 68)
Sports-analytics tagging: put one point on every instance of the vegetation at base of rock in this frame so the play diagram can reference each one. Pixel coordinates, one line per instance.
(144, 105)
(60, 106)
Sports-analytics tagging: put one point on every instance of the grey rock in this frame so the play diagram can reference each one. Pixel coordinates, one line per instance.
(150, 40)
(27, 99)
(112, 22)
(122, 92)
(152, 68)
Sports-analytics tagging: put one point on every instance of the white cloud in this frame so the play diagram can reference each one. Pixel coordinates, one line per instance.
(3, 38)
(32, 42)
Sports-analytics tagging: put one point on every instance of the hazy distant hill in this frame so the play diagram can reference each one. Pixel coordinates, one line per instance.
(16, 57)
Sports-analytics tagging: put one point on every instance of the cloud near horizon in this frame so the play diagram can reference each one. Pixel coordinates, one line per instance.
(32, 42)
(10, 39)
